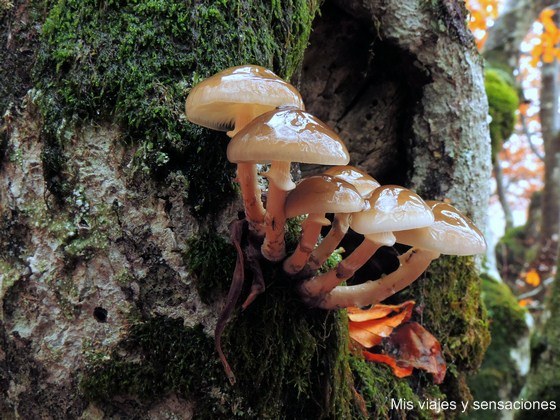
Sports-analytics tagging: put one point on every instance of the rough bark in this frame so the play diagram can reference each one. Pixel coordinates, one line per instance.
(550, 128)
(402, 83)
(113, 258)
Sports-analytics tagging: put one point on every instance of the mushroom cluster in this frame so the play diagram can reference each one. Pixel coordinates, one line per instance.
(267, 123)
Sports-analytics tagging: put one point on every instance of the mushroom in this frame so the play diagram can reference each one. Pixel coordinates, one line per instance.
(365, 185)
(228, 101)
(316, 196)
(280, 137)
(392, 208)
(450, 234)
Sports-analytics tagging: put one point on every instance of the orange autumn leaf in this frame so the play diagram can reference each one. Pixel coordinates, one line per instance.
(525, 302)
(533, 278)
(400, 372)
(375, 324)
(414, 346)
(548, 48)
(377, 311)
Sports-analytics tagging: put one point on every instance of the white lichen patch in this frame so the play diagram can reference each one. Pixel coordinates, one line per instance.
(88, 264)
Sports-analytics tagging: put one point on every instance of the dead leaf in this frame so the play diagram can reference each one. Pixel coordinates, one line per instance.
(413, 346)
(399, 371)
(374, 323)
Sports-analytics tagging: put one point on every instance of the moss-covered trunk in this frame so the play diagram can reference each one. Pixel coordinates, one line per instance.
(114, 257)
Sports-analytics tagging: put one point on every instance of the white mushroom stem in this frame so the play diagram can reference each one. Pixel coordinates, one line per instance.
(279, 183)
(248, 182)
(326, 282)
(330, 242)
(311, 230)
(412, 264)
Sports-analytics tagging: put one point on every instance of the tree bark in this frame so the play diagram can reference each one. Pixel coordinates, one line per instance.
(550, 128)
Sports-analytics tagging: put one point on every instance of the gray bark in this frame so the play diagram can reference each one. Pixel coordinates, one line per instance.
(411, 105)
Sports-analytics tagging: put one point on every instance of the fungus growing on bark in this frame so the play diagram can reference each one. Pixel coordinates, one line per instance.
(392, 208)
(451, 234)
(229, 100)
(365, 185)
(316, 196)
(281, 137)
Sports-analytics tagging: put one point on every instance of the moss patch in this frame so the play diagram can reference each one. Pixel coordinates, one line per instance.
(134, 62)
(290, 362)
(212, 260)
(499, 378)
(449, 296)
(543, 381)
(503, 101)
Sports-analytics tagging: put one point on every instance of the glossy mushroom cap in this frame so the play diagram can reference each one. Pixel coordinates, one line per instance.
(364, 183)
(323, 194)
(452, 233)
(392, 208)
(288, 135)
(247, 91)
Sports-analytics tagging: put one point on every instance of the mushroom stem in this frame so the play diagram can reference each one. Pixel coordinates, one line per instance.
(326, 282)
(329, 243)
(311, 230)
(413, 264)
(280, 182)
(251, 193)
(248, 182)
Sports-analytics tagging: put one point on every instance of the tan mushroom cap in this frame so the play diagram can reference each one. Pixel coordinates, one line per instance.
(250, 90)
(287, 135)
(364, 183)
(323, 194)
(392, 208)
(452, 233)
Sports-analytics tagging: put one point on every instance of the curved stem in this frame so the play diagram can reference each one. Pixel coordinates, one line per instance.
(311, 231)
(413, 264)
(251, 193)
(248, 182)
(280, 182)
(329, 243)
(324, 283)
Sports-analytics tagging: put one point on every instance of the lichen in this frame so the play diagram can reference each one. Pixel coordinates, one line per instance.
(499, 377)
(136, 62)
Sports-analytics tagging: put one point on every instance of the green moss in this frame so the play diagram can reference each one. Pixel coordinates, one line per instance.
(290, 362)
(503, 101)
(378, 386)
(213, 277)
(517, 248)
(450, 298)
(543, 381)
(134, 62)
(499, 377)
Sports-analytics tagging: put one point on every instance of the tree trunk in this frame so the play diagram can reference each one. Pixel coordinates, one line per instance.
(114, 261)
(550, 127)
